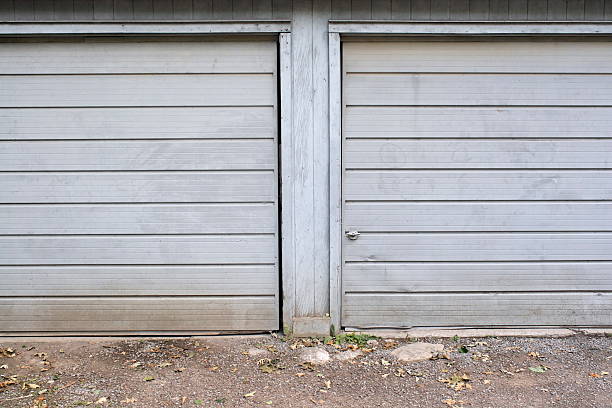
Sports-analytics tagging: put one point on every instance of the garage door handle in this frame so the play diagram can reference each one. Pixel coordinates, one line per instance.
(352, 235)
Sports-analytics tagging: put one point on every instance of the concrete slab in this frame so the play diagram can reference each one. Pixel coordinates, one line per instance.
(604, 331)
(447, 333)
(311, 326)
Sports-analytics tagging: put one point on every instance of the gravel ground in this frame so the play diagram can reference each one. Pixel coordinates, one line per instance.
(220, 372)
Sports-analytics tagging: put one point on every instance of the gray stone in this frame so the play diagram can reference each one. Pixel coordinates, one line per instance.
(255, 352)
(348, 355)
(372, 343)
(314, 355)
(416, 352)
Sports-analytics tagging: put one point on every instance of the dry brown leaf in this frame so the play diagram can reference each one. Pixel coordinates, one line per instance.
(128, 401)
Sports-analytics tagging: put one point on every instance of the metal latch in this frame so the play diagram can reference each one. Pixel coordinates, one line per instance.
(352, 235)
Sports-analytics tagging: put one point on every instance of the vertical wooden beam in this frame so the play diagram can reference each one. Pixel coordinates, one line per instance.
(287, 180)
(320, 136)
(335, 181)
(303, 157)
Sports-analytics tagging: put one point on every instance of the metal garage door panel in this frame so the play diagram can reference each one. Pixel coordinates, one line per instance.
(202, 122)
(478, 176)
(476, 122)
(479, 57)
(138, 186)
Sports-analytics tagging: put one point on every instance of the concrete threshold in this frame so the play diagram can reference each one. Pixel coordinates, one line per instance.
(451, 332)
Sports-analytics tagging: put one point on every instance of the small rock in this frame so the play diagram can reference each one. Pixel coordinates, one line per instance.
(372, 343)
(314, 355)
(348, 355)
(416, 352)
(255, 352)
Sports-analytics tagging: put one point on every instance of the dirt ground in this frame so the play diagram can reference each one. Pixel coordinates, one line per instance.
(219, 372)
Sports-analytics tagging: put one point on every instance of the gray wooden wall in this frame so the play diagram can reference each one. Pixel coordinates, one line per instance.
(310, 256)
(281, 9)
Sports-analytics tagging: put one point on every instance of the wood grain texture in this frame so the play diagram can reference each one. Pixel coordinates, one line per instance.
(538, 309)
(450, 277)
(145, 314)
(229, 122)
(478, 216)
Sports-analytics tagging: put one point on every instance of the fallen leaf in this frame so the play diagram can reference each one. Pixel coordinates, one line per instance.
(4, 367)
(136, 364)
(7, 352)
(128, 401)
(300, 374)
(102, 400)
(250, 394)
(385, 362)
(165, 364)
(539, 369)
(149, 378)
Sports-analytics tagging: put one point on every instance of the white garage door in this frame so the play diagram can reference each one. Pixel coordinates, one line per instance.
(138, 186)
(479, 175)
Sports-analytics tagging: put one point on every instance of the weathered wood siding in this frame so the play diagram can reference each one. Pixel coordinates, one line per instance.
(473, 207)
(280, 9)
(138, 186)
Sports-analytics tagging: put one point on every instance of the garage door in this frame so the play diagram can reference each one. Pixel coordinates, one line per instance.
(138, 186)
(479, 177)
